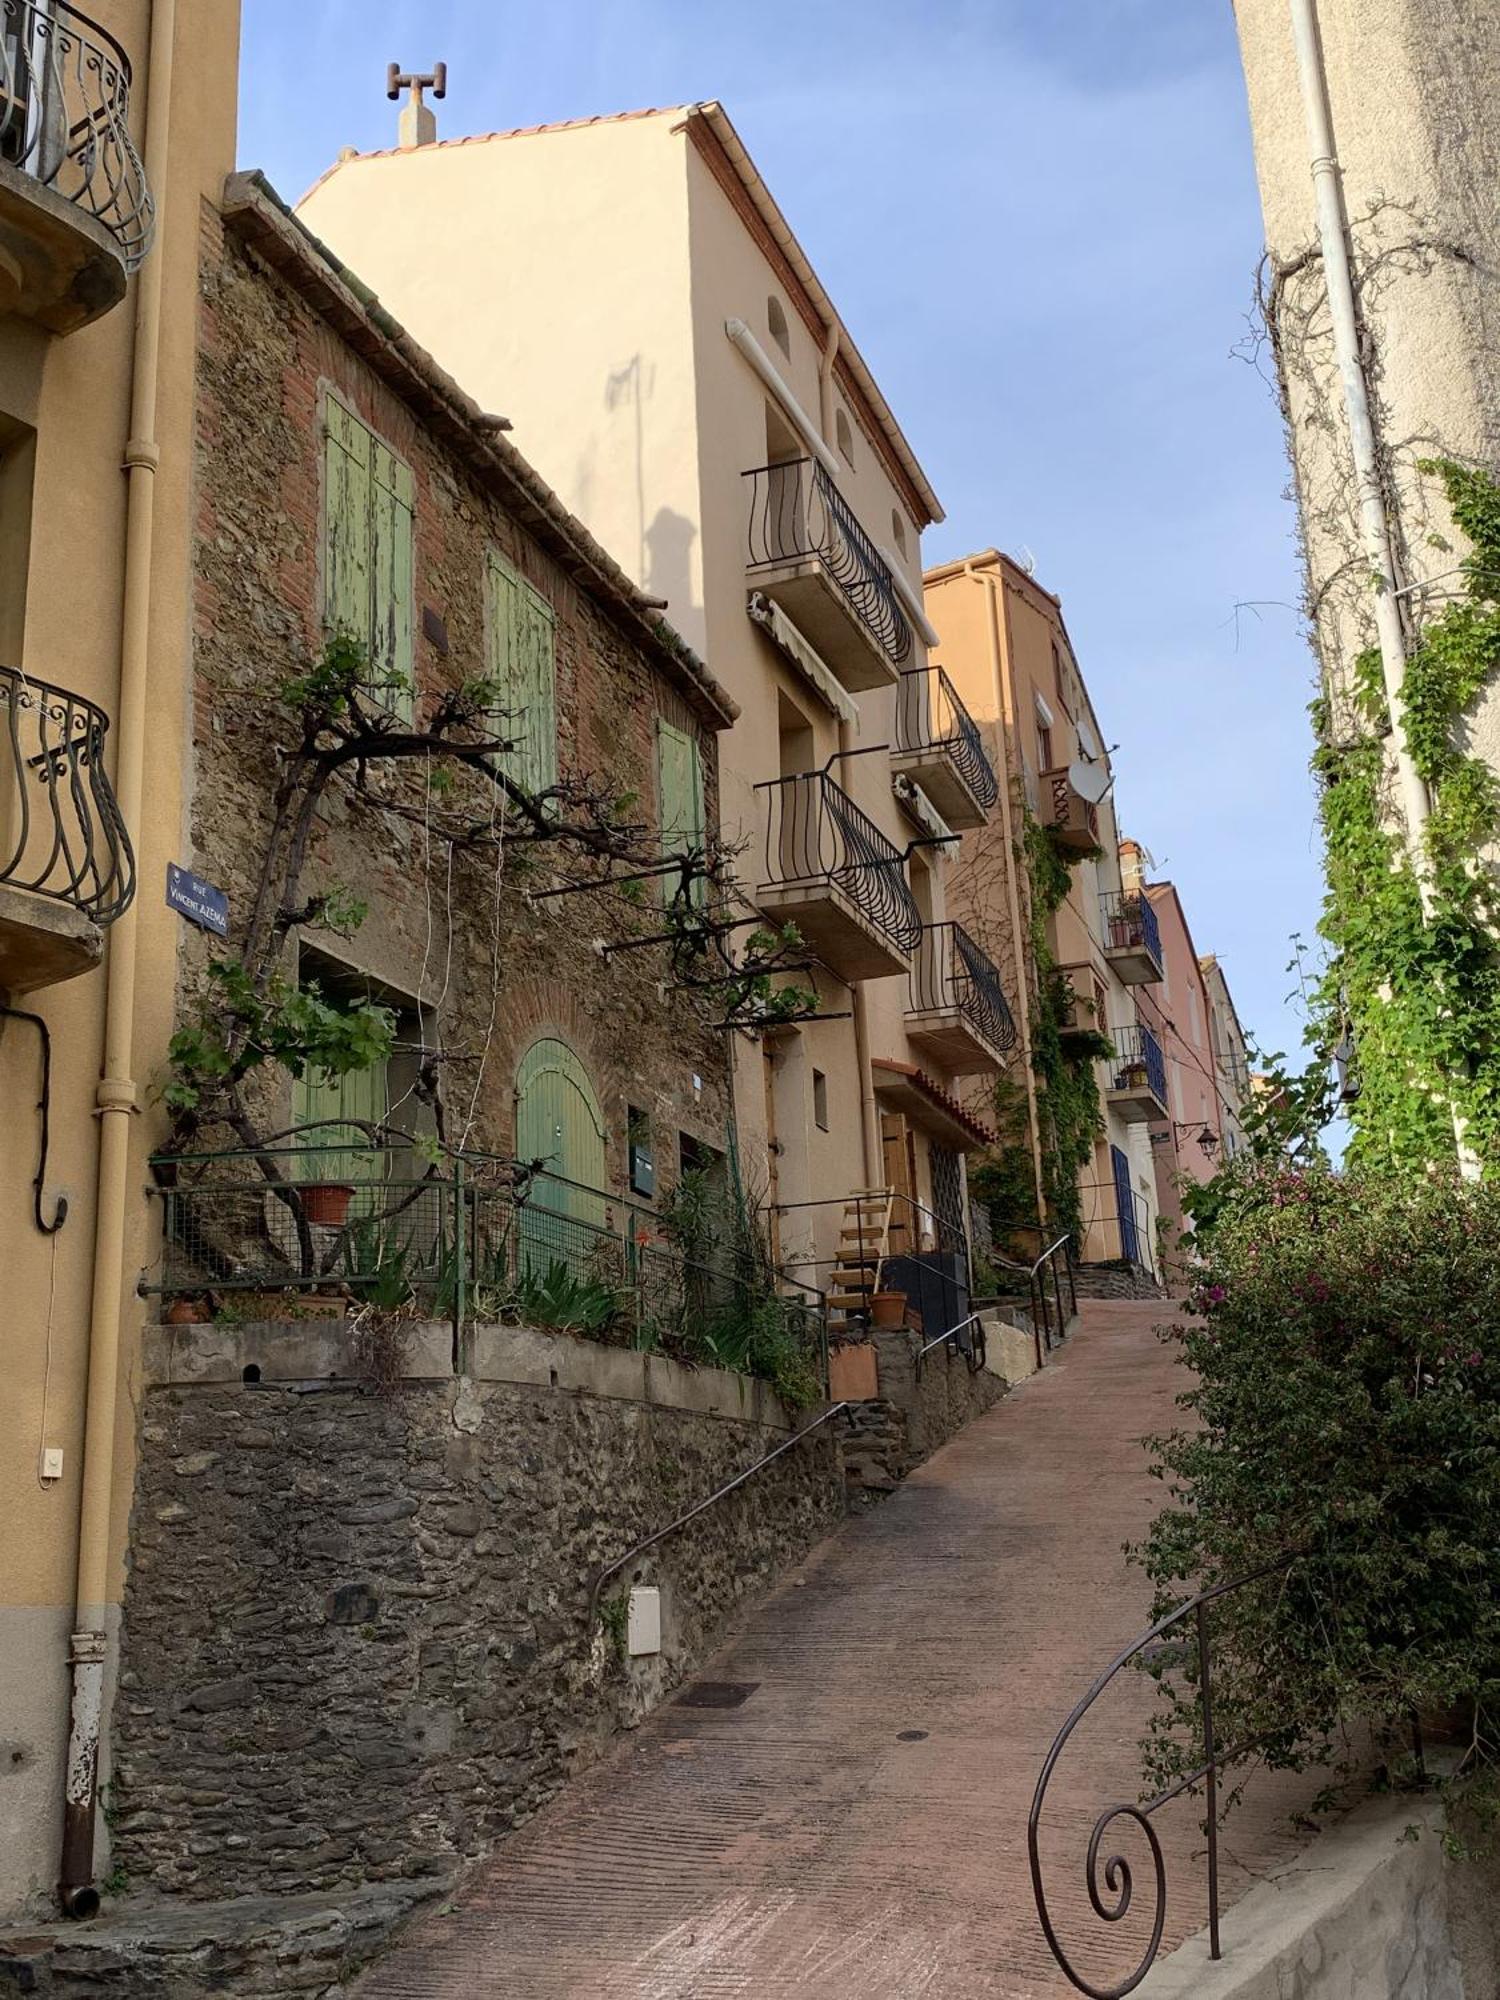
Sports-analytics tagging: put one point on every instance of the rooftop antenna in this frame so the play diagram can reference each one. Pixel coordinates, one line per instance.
(418, 126)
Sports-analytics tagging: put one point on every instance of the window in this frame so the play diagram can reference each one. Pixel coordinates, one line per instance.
(1044, 744)
(679, 771)
(367, 551)
(898, 531)
(17, 465)
(380, 1095)
(843, 432)
(521, 649)
(820, 1100)
(776, 322)
(638, 1143)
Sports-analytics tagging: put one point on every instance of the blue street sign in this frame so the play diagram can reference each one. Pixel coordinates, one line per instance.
(199, 901)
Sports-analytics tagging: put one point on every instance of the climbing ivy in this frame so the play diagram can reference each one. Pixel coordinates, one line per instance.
(1420, 998)
(1068, 1104)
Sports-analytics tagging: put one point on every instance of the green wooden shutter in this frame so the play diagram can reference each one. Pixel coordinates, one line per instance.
(523, 662)
(346, 522)
(335, 1155)
(391, 573)
(367, 551)
(679, 764)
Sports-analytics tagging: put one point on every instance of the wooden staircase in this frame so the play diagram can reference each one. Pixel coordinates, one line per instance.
(864, 1240)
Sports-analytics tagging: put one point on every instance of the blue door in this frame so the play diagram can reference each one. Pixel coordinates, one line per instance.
(1130, 1242)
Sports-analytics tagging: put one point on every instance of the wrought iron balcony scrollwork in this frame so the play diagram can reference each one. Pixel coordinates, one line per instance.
(953, 975)
(1138, 1056)
(797, 512)
(816, 834)
(930, 715)
(61, 831)
(65, 117)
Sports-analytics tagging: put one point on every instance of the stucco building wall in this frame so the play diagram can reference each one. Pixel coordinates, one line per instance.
(1411, 85)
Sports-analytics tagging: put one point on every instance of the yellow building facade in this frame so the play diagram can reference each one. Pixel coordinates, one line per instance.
(112, 130)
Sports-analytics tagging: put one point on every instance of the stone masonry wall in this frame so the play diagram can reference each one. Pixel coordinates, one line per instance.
(913, 1414)
(357, 1645)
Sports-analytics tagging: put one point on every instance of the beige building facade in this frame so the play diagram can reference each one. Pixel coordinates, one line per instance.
(114, 129)
(1005, 646)
(1410, 94)
(682, 378)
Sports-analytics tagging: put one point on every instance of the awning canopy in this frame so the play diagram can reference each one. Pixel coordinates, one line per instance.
(928, 1105)
(804, 656)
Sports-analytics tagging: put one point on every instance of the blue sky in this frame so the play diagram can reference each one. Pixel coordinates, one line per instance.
(1044, 238)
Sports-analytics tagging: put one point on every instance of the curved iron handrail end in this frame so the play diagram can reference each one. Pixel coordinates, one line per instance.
(1119, 1877)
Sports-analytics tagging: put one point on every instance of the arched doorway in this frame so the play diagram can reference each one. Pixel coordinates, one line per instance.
(559, 1122)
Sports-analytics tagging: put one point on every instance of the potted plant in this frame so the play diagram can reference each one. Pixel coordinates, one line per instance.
(888, 1309)
(326, 1203)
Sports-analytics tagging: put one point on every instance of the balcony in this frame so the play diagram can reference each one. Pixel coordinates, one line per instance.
(1132, 936)
(938, 743)
(75, 212)
(1085, 1008)
(809, 554)
(831, 871)
(1074, 822)
(66, 869)
(1137, 1076)
(956, 1008)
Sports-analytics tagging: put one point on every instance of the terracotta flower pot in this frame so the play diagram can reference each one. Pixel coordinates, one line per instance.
(888, 1308)
(327, 1203)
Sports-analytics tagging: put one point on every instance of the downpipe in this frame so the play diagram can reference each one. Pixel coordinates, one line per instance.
(116, 1097)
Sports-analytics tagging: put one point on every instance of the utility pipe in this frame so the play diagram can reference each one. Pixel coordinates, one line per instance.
(1004, 698)
(116, 1093)
(1333, 237)
(869, 1110)
(782, 390)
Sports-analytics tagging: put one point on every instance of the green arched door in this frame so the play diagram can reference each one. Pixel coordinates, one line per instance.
(558, 1121)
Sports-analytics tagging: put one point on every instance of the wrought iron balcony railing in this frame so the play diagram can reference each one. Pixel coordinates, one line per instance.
(65, 117)
(1138, 1060)
(816, 835)
(1130, 923)
(931, 716)
(797, 512)
(951, 975)
(61, 833)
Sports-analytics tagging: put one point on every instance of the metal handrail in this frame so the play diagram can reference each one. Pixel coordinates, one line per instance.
(1130, 923)
(1118, 1876)
(796, 511)
(1138, 1048)
(602, 1576)
(1040, 1309)
(65, 117)
(62, 834)
(816, 834)
(930, 715)
(953, 975)
(974, 1354)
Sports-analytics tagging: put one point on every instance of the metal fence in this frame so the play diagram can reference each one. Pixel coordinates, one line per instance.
(796, 511)
(61, 831)
(816, 834)
(1130, 923)
(951, 974)
(65, 116)
(930, 715)
(471, 1236)
(1138, 1060)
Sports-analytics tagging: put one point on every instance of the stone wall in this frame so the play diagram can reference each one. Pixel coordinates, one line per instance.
(915, 1412)
(357, 1642)
(1115, 1281)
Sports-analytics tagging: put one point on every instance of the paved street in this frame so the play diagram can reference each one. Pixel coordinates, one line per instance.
(857, 1826)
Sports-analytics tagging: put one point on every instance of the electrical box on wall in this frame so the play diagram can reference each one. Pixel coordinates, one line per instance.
(643, 1627)
(642, 1170)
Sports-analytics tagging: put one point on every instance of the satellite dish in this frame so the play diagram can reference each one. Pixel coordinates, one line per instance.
(1089, 778)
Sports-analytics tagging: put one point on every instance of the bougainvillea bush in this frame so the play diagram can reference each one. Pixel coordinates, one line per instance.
(1342, 1431)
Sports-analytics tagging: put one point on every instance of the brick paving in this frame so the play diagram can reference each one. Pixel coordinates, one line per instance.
(856, 1829)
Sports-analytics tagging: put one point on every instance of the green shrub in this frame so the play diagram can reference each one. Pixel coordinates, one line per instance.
(1344, 1337)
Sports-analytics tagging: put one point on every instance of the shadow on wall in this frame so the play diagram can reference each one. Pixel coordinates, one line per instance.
(669, 563)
